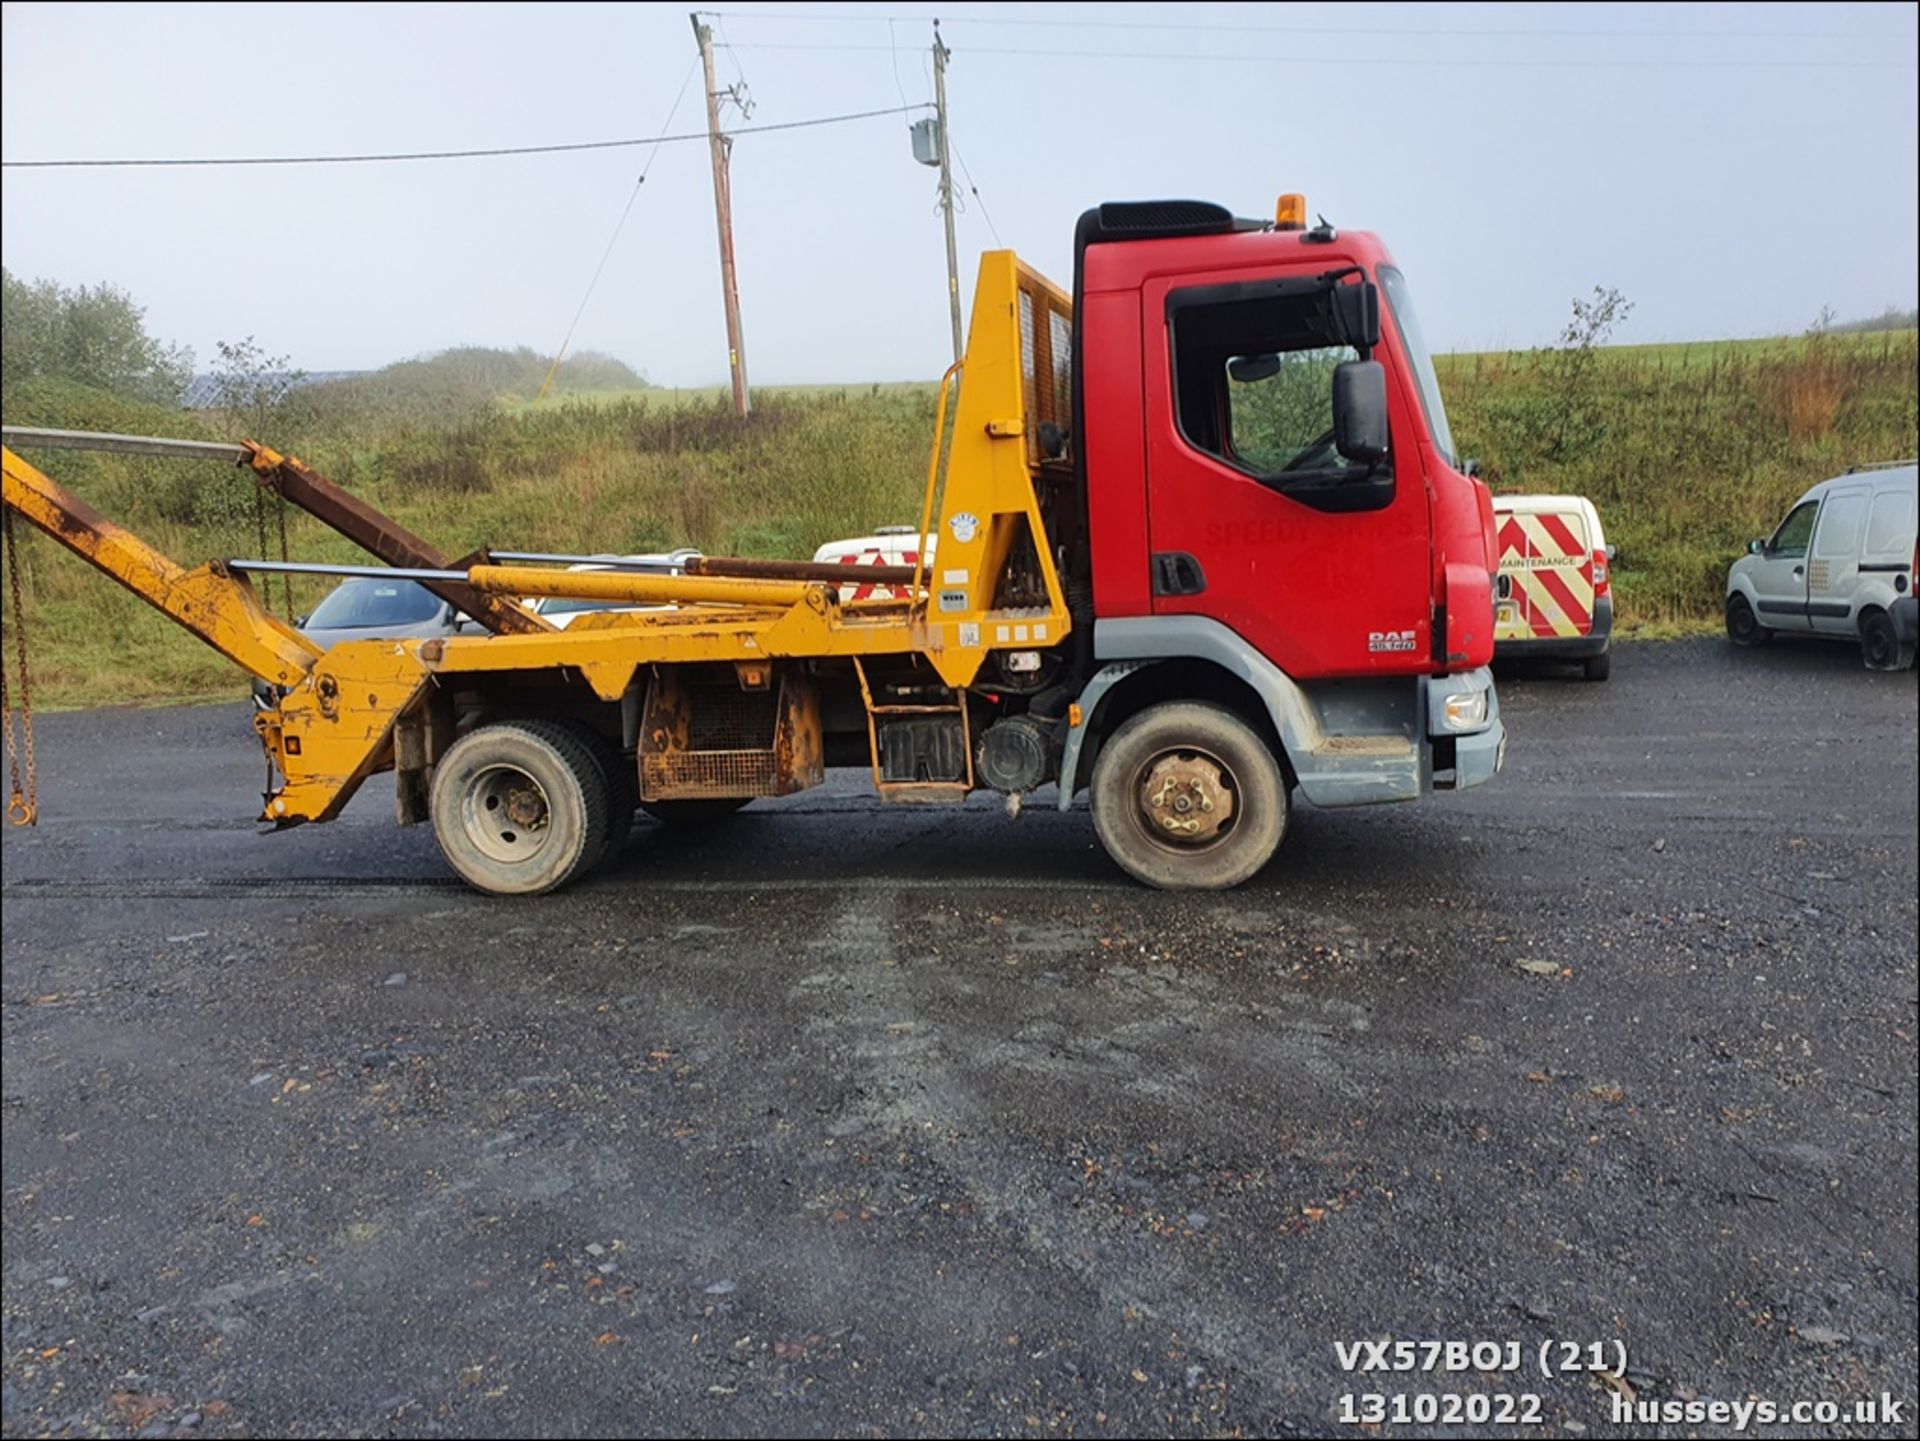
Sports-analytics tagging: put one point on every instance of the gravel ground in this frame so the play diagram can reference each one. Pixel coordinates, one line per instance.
(841, 1119)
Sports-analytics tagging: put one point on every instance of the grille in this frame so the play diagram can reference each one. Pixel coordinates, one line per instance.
(726, 718)
(693, 775)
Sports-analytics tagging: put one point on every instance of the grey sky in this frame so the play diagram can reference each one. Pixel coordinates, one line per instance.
(1711, 169)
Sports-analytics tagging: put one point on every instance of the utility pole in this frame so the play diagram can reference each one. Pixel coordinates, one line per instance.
(946, 186)
(723, 213)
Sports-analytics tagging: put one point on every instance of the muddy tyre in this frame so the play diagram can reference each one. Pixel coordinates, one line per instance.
(622, 782)
(520, 808)
(1188, 796)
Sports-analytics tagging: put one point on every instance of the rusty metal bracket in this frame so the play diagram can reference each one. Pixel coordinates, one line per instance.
(385, 537)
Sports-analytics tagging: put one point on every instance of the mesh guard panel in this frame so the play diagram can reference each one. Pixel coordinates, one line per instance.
(1046, 360)
(713, 741)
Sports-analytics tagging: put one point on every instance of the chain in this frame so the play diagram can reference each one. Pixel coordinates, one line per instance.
(23, 802)
(260, 530)
(286, 577)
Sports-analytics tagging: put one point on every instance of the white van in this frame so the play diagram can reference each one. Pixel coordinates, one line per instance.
(888, 545)
(1840, 565)
(1553, 594)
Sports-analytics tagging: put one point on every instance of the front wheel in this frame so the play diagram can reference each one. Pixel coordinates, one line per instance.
(1743, 626)
(520, 807)
(1188, 797)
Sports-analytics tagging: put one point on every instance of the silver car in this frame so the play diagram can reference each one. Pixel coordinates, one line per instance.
(371, 608)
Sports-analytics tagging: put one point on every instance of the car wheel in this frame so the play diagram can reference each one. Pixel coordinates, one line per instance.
(1598, 667)
(1187, 796)
(520, 807)
(1743, 626)
(1879, 641)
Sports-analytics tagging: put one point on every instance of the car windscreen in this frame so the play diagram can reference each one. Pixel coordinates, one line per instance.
(364, 603)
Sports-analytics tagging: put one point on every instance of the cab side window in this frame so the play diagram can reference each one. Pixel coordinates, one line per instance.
(1253, 383)
(1790, 541)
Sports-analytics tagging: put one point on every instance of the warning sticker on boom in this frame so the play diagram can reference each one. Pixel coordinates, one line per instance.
(953, 600)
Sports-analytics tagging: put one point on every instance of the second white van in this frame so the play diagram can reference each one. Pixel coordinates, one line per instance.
(1840, 565)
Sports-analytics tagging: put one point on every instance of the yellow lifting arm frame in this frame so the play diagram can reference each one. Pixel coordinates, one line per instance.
(212, 602)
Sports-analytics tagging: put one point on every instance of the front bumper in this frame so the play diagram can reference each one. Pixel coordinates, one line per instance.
(1573, 647)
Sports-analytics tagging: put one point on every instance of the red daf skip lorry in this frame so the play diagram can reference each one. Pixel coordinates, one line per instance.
(1196, 540)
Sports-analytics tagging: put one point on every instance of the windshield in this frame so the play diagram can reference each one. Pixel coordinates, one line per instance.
(1400, 302)
(364, 603)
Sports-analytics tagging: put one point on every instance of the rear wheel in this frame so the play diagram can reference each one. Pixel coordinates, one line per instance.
(520, 807)
(1187, 796)
(1598, 667)
(1743, 626)
(622, 781)
(693, 813)
(1880, 642)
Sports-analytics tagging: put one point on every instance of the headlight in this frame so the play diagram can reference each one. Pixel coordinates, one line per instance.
(1466, 711)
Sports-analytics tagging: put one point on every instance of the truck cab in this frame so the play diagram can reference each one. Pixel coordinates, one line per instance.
(1277, 524)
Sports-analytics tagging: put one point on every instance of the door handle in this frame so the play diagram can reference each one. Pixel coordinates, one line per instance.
(1799, 570)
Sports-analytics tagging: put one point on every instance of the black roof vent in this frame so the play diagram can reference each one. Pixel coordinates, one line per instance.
(1151, 219)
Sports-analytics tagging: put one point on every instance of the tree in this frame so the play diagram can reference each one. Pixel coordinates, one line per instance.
(95, 334)
(250, 387)
(1577, 426)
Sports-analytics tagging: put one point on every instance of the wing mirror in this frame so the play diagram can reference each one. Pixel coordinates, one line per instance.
(1756, 547)
(1360, 410)
(1356, 314)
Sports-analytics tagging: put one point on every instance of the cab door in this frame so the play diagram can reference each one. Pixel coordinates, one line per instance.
(1779, 571)
(1833, 565)
(1254, 519)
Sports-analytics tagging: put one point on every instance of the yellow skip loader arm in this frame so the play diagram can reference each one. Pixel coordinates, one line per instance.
(212, 602)
(367, 706)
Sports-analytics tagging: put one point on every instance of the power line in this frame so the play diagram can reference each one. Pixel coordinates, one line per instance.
(974, 190)
(1473, 62)
(613, 240)
(1476, 32)
(893, 50)
(466, 154)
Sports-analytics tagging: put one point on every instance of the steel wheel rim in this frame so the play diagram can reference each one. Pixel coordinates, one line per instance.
(506, 814)
(1175, 813)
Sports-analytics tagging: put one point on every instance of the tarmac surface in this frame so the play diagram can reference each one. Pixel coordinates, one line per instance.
(847, 1119)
